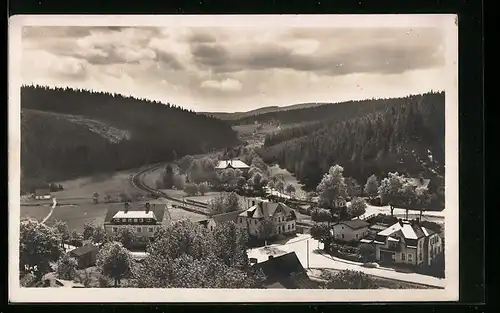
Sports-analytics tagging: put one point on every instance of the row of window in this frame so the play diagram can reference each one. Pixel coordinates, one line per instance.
(434, 240)
(138, 229)
(133, 220)
(410, 257)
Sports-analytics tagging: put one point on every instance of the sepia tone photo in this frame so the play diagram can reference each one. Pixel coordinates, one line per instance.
(185, 158)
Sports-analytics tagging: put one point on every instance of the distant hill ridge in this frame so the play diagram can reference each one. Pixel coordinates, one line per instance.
(67, 133)
(263, 110)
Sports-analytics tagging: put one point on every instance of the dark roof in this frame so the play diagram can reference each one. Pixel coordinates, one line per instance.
(83, 250)
(158, 210)
(418, 231)
(355, 224)
(227, 217)
(267, 209)
(203, 222)
(281, 266)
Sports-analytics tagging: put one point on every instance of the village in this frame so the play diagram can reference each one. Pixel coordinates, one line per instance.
(384, 229)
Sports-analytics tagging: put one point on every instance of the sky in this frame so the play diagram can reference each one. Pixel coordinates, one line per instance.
(237, 69)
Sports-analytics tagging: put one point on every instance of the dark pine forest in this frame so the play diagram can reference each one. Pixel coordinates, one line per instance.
(365, 137)
(54, 147)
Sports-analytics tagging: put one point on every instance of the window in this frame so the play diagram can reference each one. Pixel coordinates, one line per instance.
(151, 229)
(288, 226)
(138, 229)
(342, 236)
(402, 256)
(420, 256)
(409, 257)
(241, 220)
(115, 229)
(141, 220)
(356, 236)
(255, 222)
(135, 220)
(124, 220)
(342, 227)
(439, 249)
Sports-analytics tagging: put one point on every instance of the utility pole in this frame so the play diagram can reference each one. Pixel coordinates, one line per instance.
(307, 253)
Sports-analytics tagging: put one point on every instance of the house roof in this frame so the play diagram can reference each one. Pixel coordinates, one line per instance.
(83, 250)
(266, 209)
(232, 163)
(157, 210)
(418, 182)
(407, 230)
(281, 267)
(355, 223)
(227, 217)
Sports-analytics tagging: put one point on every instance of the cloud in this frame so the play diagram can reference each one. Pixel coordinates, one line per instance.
(224, 67)
(224, 85)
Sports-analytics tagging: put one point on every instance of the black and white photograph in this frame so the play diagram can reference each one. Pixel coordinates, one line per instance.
(233, 158)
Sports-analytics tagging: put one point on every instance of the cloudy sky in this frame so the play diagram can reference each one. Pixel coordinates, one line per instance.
(237, 69)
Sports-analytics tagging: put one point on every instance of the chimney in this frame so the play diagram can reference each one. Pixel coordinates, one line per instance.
(253, 202)
(148, 206)
(127, 206)
(418, 221)
(400, 221)
(271, 257)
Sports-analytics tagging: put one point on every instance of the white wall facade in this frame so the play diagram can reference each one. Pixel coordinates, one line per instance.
(344, 232)
(140, 230)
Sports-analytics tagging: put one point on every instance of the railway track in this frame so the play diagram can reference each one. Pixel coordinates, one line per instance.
(138, 182)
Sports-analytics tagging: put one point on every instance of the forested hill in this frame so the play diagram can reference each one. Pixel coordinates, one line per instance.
(67, 132)
(407, 135)
(320, 112)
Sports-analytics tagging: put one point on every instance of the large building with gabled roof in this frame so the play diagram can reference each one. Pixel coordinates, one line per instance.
(407, 242)
(145, 218)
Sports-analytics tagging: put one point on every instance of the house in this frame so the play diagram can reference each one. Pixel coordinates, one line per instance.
(43, 194)
(145, 218)
(407, 242)
(352, 230)
(232, 163)
(282, 217)
(285, 272)
(339, 203)
(215, 220)
(86, 255)
(419, 182)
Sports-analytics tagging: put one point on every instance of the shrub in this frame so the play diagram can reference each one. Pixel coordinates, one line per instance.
(347, 279)
(66, 267)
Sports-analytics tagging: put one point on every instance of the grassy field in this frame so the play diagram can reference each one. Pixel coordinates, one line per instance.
(289, 179)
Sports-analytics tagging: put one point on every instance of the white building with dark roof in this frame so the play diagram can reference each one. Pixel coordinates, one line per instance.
(144, 218)
(282, 217)
(351, 230)
(406, 242)
(233, 163)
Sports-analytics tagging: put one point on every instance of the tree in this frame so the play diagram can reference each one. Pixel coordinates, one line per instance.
(95, 197)
(332, 186)
(290, 189)
(88, 230)
(322, 233)
(224, 203)
(371, 186)
(279, 186)
(115, 261)
(126, 236)
(99, 235)
(310, 195)
(257, 181)
(353, 189)
(107, 198)
(270, 184)
(389, 189)
(357, 207)
(66, 267)
(191, 189)
(185, 163)
(321, 215)
(203, 188)
(63, 230)
(241, 182)
(266, 230)
(348, 279)
(168, 177)
(187, 255)
(39, 245)
(367, 252)
(179, 182)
